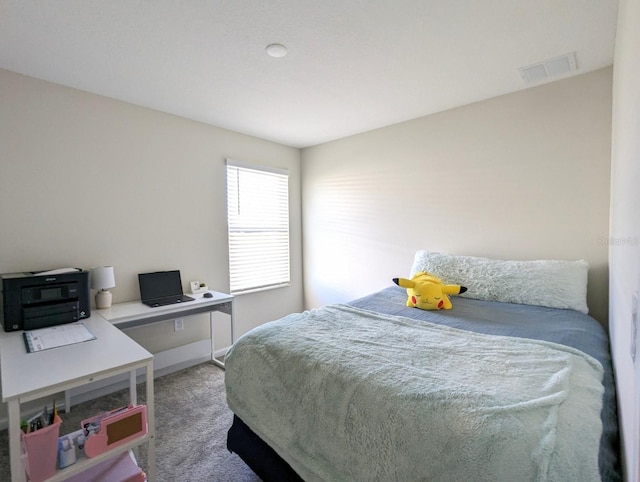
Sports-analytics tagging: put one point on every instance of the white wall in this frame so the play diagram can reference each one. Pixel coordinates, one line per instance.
(522, 176)
(86, 180)
(624, 253)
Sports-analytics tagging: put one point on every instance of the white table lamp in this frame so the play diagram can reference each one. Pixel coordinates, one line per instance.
(103, 278)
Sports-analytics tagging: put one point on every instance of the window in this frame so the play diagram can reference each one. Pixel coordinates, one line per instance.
(258, 217)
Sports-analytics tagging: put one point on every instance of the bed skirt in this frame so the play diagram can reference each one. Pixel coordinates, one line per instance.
(260, 458)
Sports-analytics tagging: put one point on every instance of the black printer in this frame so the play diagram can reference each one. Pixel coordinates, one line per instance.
(37, 299)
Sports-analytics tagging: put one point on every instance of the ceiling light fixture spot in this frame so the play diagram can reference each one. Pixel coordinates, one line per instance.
(276, 50)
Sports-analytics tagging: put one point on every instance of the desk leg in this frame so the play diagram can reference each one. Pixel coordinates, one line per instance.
(133, 393)
(228, 311)
(213, 348)
(232, 323)
(17, 469)
(213, 344)
(151, 418)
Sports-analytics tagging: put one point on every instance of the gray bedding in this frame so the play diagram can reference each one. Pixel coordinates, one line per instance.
(296, 382)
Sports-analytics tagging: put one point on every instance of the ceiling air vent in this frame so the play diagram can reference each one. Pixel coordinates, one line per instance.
(549, 69)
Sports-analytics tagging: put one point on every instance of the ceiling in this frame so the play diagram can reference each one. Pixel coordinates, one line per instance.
(352, 65)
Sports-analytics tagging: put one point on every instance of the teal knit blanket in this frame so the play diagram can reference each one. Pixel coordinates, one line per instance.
(344, 394)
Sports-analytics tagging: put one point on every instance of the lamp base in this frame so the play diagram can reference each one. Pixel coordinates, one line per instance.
(103, 299)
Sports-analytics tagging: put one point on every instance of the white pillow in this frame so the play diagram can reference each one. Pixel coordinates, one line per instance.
(552, 283)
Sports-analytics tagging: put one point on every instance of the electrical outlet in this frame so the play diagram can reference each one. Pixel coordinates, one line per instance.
(178, 325)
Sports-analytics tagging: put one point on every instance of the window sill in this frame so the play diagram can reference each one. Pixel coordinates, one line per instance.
(257, 290)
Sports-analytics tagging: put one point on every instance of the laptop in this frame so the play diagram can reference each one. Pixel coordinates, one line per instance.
(162, 288)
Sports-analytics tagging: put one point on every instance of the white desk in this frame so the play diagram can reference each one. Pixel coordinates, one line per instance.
(30, 376)
(134, 313)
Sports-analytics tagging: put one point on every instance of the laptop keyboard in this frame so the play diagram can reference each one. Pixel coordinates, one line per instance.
(168, 301)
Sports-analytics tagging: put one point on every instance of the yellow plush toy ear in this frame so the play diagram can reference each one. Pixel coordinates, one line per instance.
(428, 292)
(409, 284)
(404, 283)
(453, 289)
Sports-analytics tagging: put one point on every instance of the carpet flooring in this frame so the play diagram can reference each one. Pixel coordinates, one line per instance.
(192, 419)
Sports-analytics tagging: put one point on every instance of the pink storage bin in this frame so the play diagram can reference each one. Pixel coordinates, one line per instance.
(115, 428)
(40, 451)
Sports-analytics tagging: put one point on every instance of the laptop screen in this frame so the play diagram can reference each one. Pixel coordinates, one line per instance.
(160, 284)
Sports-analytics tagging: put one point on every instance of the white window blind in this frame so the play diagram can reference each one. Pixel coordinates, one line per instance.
(258, 217)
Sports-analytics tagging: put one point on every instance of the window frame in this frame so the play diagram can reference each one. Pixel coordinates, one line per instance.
(277, 274)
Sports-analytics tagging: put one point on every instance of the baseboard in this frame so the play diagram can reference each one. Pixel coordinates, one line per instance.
(164, 363)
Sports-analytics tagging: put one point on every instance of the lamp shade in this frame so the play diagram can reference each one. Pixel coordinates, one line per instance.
(102, 278)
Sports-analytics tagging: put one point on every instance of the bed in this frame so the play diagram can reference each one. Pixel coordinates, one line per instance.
(500, 387)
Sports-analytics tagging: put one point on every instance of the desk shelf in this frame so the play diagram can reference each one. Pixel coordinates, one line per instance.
(83, 462)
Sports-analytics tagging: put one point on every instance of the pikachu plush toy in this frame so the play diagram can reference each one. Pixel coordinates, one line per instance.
(428, 292)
